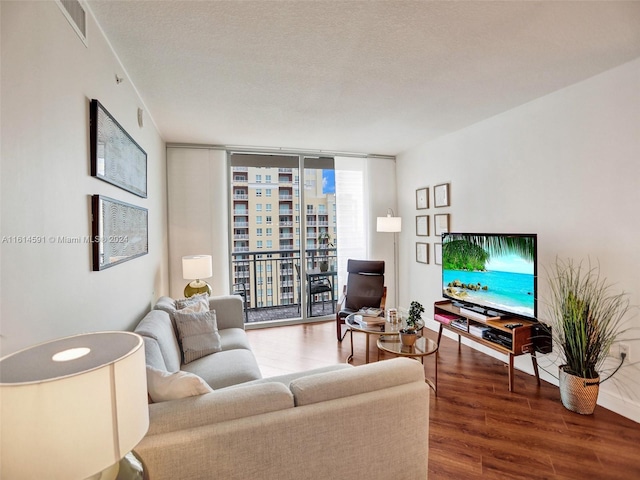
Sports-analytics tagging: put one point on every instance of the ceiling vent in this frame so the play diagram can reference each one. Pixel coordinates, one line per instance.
(77, 16)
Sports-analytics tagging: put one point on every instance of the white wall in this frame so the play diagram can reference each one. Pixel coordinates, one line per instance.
(198, 214)
(565, 166)
(48, 290)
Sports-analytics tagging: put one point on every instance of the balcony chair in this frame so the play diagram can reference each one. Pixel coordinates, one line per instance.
(364, 288)
(241, 289)
(318, 286)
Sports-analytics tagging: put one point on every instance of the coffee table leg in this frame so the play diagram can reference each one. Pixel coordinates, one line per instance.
(366, 357)
(351, 338)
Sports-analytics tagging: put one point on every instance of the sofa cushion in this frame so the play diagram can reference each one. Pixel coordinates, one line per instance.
(226, 368)
(366, 378)
(287, 378)
(164, 386)
(199, 300)
(198, 333)
(218, 407)
(153, 354)
(232, 338)
(158, 326)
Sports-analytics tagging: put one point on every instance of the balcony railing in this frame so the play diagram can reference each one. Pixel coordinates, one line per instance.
(276, 269)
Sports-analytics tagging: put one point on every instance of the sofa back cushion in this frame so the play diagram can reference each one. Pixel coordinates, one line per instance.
(355, 381)
(157, 325)
(218, 407)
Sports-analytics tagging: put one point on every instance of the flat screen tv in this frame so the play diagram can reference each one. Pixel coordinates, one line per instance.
(492, 273)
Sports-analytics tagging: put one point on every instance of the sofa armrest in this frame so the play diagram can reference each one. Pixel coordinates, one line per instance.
(229, 313)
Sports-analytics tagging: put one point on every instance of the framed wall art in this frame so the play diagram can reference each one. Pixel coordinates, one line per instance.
(422, 252)
(422, 198)
(441, 223)
(119, 232)
(437, 253)
(116, 158)
(422, 225)
(441, 195)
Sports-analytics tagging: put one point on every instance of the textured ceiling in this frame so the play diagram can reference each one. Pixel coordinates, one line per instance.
(355, 76)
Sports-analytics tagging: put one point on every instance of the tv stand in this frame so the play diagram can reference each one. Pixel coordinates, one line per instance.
(490, 332)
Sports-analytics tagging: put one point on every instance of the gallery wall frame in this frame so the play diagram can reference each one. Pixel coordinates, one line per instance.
(441, 195)
(422, 225)
(437, 253)
(422, 198)
(116, 158)
(441, 223)
(119, 232)
(422, 252)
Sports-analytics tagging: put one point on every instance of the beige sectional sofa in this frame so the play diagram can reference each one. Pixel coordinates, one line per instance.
(340, 422)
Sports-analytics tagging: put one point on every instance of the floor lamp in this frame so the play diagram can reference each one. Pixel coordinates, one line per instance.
(393, 225)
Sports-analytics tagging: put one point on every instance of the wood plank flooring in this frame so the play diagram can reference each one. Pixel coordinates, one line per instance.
(478, 429)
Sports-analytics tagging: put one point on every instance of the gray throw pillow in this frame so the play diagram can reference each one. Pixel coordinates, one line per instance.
(198, 332)
(189, 302)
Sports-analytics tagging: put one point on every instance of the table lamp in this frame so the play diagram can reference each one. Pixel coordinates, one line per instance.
(197, 267)
(394, 225)
(72, 408)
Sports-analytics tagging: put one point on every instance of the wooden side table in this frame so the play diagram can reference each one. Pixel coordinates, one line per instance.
(424, 346)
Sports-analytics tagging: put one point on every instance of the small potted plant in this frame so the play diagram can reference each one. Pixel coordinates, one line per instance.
(409, 334)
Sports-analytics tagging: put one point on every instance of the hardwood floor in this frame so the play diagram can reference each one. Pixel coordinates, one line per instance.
(478, 429)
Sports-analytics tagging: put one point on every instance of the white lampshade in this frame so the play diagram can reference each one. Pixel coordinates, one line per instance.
(389, 224)
(73, 416)
(196, 267)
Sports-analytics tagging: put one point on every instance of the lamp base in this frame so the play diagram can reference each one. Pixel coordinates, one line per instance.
(196, 287)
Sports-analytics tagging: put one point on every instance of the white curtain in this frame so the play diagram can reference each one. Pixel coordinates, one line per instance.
(351, 212)
(365, 189)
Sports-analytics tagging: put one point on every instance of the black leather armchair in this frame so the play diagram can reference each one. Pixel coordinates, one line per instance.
(364, 288)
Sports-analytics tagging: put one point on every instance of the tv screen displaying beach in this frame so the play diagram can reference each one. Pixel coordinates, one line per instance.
(495, 272)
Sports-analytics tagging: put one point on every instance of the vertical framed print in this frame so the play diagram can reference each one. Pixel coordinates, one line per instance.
(437, 253)
(422, 198)
(441, 197)
(441, 223)
(422, 225)
(422, 252)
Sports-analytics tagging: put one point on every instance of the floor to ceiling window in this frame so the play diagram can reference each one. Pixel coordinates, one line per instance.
(284, 234)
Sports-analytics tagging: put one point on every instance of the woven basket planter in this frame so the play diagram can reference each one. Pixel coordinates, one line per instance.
(578, 394)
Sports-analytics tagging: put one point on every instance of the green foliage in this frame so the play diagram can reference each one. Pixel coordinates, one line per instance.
(463, 255)
(415, 314)
(587, 316)
(471, 252)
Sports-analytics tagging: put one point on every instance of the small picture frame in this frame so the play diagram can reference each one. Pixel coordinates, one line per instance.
(437, 253)
(441, 195)
(422, 252)
(422, 225)
(422, 198)
(441, 223)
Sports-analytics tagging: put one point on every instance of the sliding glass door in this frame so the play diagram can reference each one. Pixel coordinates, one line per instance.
(283, 234)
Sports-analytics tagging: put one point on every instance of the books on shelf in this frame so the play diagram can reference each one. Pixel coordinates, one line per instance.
(370, 312)
(445, 318)
(459, 323)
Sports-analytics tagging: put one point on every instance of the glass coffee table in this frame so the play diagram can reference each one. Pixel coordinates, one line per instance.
(424, 346)
(383, 330)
